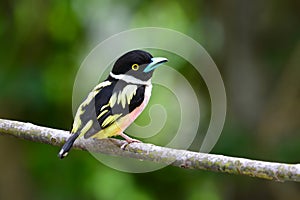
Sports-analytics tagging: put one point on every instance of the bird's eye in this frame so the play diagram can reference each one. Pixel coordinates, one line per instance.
(135, 67)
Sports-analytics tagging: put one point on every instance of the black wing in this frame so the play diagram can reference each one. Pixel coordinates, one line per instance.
(110, 103)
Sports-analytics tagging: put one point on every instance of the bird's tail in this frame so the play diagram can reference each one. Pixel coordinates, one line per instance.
(67, 146)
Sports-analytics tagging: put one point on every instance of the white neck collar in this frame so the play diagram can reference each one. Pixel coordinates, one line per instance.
(129, 79)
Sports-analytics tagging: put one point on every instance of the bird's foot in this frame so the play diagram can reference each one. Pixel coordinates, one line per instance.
(128, 140)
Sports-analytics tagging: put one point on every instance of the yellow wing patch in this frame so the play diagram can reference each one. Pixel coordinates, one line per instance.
(94, 92)
(124, 96)
(80, 111)
(110, 119)
(102, 113)
(113, 100)
(86, 127)
(105, 106)
(112, 130)
(101, 85)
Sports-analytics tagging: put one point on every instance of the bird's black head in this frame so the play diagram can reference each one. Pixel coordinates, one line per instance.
(137, 63)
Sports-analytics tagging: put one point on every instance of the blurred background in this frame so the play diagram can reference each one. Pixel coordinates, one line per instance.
(255, 45)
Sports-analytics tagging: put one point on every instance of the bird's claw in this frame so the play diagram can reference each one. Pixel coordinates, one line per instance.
(128, 141)
(123, 147)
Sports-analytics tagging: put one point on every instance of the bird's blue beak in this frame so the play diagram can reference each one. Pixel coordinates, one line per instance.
(155, 62)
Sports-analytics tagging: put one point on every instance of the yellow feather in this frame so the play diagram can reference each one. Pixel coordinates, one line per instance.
(110, 119)
(105, 106)
(123, 99)
(126, 94)
(119, 98)
(131, 90)
(113, 100)
(112, 130)
(101, 85)
(102, 113)
(86, 127)
(77, 121)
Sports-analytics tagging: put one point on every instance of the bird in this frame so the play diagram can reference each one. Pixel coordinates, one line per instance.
(115, 103)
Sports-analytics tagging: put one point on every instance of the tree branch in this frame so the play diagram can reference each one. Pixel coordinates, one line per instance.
(180, 158)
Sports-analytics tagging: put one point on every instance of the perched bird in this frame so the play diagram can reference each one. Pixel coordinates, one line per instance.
(116, 102)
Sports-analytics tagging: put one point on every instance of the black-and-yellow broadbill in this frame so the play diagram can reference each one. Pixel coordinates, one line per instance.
(117, 101)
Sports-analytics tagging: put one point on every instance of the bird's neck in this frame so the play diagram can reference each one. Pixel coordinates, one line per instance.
(129, 79)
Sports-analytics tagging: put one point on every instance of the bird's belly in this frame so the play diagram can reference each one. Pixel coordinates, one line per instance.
(121, 124)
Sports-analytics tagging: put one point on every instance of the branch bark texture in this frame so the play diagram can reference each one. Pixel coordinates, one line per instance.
(179, 158)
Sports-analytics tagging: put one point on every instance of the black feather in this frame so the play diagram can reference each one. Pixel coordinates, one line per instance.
(67, 146)
(124, 63)
(103, 98)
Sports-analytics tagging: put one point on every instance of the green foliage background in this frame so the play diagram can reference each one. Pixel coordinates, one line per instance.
(256, 46)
